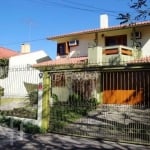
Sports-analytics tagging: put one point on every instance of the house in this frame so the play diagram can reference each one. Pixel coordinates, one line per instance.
(104, 47)
(21, 77)
(7, 53)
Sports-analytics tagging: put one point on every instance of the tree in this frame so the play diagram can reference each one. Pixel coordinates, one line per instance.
(4, 68)
(141, 9)
(142, 12)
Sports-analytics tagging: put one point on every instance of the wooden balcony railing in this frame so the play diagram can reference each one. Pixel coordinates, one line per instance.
(118, 49)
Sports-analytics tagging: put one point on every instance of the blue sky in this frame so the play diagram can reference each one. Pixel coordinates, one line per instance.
(32, 21)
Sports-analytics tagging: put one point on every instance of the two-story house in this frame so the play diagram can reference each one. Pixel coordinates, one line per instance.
(104, 46)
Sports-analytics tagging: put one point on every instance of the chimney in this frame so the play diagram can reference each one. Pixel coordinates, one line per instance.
(104, 21)
(25, 48)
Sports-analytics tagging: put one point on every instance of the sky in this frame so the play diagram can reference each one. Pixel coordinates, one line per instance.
(32, 21)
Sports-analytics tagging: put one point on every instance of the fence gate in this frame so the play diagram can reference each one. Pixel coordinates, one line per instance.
(109, 105)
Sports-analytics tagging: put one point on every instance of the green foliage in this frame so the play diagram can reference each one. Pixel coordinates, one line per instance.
(63, 113)
(33, 97)
(142, 11)
(55, 98)
(124, 17)
(4, 121)
(78, 102)
(4, 62)
(27, 127)
(4, 68)
(30, 128)
(93, 102)
(74, 99)
(1, 91)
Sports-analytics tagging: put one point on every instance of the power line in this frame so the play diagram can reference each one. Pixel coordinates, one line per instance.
(89, 6)
(66, 4)
(26, 41)
(77, 5)
(50, 3)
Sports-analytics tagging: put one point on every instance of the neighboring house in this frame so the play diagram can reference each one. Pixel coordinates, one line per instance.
(21, 77)
(7, 53)
(104, 46)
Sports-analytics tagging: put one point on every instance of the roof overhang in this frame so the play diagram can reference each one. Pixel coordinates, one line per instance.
(62, 62)
(120, 27)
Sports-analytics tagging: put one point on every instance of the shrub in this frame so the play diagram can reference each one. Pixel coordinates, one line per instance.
(93, 102)
(4, 68)
(27, 127)
(30, 128)
(4, 121)
(33, 97)
(55, 98)
(1, 91)
(75, 107)
(74, 99)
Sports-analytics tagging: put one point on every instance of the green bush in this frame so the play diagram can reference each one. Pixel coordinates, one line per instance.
(30, 128)
(4, 121)
(33, 97)
(27, 127)
(1, 91)
(4, 68)
(92, 103)
(55, 98)
(74, 99)
(75, 107)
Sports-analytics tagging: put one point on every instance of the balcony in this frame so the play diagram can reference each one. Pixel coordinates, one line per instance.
(116, 55)
(112, 55)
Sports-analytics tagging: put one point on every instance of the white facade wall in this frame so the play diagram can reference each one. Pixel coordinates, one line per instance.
(80, 50)
(62, 93)
(20, 72)
(145, 41)
(24, 59)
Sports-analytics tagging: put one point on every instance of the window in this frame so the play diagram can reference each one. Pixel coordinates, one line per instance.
(116, 40)
(62, 49)
(58, 80)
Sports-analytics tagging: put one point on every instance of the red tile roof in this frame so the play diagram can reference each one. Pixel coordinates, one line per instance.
(141, 60)
(63, 61)
(6, 53)
(144, 23)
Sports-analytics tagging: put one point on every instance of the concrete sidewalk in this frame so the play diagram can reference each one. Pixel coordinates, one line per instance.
(58, 142)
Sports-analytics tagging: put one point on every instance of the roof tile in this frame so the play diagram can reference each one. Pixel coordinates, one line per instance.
(99, 30)
(63, 61)
(140, 60)
(6, 53)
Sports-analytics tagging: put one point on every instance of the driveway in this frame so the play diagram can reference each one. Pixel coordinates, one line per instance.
(10, 139)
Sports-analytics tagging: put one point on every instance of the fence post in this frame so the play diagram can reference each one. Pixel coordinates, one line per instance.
(45, 102)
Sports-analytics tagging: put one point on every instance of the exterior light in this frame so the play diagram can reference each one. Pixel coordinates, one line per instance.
(40, 75)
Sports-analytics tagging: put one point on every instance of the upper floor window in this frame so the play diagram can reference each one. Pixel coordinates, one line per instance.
(116, 40)
(62, 49)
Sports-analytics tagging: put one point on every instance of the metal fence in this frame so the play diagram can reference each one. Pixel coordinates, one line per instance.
(110, 104)
(19, 91)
